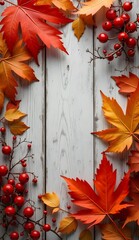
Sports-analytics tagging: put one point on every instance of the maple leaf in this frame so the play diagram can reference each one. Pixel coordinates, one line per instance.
(110, 232)
(93, 6)
(134, 159)
(78, 26)
(106, 200)
(51, 199)
(85, 235)
(125, 125)
(68, 225)
(14, 62)
(65, 5)
(126, 84)
(31, 19)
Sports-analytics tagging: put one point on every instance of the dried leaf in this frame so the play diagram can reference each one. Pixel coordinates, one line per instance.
(85, 235)
(126, 84)
(134, 159)
(55, 210)
(51, 199)
(78, 26)
(17, 127)
(65, 5)
(68, 225)
(106, 200)
(14, 114)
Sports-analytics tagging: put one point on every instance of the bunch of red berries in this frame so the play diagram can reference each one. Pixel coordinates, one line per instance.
(16, 211)
(119, 22)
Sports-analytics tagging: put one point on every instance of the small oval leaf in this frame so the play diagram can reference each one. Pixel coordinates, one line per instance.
(68, 225)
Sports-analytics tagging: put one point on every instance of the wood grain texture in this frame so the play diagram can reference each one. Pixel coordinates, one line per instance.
(69, 117)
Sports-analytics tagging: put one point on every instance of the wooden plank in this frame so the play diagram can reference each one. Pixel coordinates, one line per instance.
(69, 117)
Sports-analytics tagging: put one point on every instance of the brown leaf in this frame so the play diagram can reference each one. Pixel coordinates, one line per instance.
(85, 235)
(78, 26)
(110, 232)
(14, 114)
(18, 128)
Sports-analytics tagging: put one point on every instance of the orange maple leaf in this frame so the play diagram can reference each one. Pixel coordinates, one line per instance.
(125, 128)
(133, 161)
(93, 6)
(14, 62)
(105, 201)
(65, 5)
(33, 21)
(126, 84)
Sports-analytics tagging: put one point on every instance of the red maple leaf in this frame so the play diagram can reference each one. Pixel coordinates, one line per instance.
(105, 201)
(31, 19)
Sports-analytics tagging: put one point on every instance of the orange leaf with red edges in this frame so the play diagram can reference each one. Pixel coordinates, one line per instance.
(126, 128)
(127, 84)
(105, 201)
(34, 23)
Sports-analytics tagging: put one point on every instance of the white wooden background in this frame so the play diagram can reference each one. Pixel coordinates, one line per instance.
(63, 108)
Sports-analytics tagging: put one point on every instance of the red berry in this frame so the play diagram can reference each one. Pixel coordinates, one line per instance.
(123, 36)
(103, 37)
(29, 146)
(105, 51)
(29, 226)
(118, 22)
(3, 129)
(46, 227)
(107, 26)
(19, 201)
(131, 27)
(23, 178)
(14, 235)
(5, 199)
(117, 46)
(19, 187)
(53, 220)
(131, 42)
(111, 14)
(14, 138)
(68, 207)
(3, 170)
(35, 234)
(10, 211)
(24, 164)
(127, 6)
(35, 180)
(45, 212)
(39, 196)
(6, 150)
(8, 189)
(131, 53)
(11, 181)
(28, 212)
(2, 2)
(119, 53)
(110, 57)
(125, 17)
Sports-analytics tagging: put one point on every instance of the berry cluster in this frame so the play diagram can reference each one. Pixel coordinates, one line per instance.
(118, 22)
(16, 210)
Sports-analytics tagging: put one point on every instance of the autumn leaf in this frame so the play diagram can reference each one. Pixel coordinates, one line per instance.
(14, 114)
(34, 23)
(93, 6)
(125, 129)
(13, 63)
(78, 27)
(1, 100)
(51, 199)
(68, 225)
(109, 232)
(105, 201)
(18, 127)
(65, 5)
(133, 211)
(126, 84)
(88, 20)
(134, 159)
(85, 235)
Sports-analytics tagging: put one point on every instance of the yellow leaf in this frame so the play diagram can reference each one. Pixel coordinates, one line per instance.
(85, 235)
(109, 232)
(65, 5)
(18, 128)
(88, 20)
(13, 114)
(78, 26)
(93, 6)
(51, 199)
(68, 225)
(55, 210)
